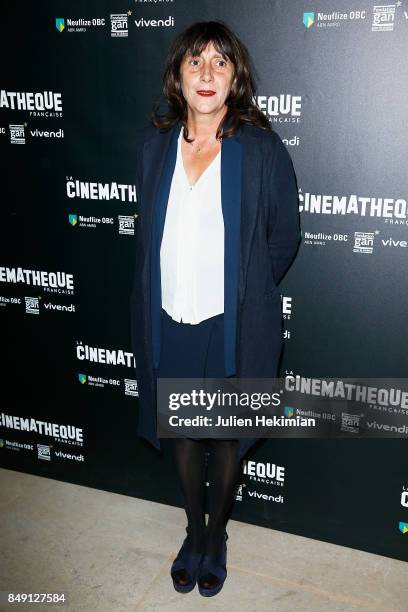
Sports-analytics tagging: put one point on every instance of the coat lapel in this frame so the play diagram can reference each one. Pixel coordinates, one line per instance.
(251, 165)
(155, 151)
(162, 158)
(231, 165)
(240, 184)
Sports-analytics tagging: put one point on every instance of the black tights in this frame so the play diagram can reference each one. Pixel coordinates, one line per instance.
(223, 474)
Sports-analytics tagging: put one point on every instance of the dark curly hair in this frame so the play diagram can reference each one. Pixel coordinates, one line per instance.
(240, 101)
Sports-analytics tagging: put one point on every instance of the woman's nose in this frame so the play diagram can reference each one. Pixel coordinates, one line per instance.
(206, 72)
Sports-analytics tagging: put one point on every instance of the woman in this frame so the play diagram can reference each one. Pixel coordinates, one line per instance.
(217, 229)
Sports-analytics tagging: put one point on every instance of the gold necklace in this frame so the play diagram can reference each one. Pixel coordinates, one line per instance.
(199, 149)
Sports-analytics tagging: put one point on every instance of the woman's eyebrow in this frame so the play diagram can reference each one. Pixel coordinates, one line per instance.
(217, 55)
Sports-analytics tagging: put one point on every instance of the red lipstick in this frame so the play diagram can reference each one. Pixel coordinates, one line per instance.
(206, 92)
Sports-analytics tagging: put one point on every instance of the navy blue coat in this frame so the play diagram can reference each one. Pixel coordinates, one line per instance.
(261, 219)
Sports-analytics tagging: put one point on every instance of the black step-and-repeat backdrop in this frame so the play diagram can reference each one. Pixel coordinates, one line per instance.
(77, 81)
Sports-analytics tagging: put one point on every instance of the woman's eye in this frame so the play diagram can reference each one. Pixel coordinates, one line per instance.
(221, 63)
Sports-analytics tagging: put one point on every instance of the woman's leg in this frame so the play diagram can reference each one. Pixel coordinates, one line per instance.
(223, 473)
(183, 352)
(189, 457)
(224, 466)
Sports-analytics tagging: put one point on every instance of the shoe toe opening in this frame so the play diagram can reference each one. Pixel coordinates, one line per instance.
(181, 577)
(209, 581)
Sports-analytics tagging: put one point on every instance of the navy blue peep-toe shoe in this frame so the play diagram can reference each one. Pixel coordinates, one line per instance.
(215, 565)
(186, 565)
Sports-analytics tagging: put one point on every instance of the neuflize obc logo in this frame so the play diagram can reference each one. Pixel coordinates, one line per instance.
(82, 378)
(73, 219)
(289, 411)
(308, 19)
(60, 23)
(403, 527)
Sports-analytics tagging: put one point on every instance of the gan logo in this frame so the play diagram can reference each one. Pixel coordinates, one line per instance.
(383, 17)
(17, 134)
(119, 24)
(289, 411)
(308, 19)
(73, 219)
(126, 224)
(131, 387)
(350, 422)
(44, 452)
(32, 305)
(82, 378)
(363, 242)
(403, 527)
(60, 24)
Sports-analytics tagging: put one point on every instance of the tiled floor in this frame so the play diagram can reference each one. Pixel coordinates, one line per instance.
(113, 553)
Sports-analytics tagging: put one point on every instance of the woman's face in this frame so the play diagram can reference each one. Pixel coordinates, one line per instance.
(206, 80)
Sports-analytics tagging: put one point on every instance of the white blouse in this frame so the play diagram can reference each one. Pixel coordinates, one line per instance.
(192, 248)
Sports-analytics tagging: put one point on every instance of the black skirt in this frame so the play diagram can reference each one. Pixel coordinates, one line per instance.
(195, 351)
